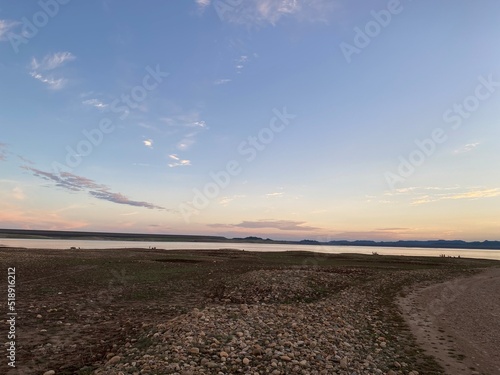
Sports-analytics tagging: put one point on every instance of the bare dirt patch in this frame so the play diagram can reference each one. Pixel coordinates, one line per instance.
(458, 322)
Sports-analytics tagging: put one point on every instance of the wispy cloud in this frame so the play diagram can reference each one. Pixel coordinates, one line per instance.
(224, 201)
(240, 63)
(430, 194)
(148, 143)
(420, 190)
(277, 194)
(25, 160)
(6, 26)
(222, 81)
(190, 122)
(53, 83)
(52, 61)
(467, 148)
(483, 193)
(95, 103)
(75, 183)
(119, 198)
(202, 4)
(49, 63)
(185, 143)
(274, 224)
(261, 12)
(178, 162)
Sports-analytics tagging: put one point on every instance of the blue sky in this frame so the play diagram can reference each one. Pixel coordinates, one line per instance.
(286, 119)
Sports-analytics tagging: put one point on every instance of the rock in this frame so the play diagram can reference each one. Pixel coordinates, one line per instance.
(323, 337)
(50, 372)
(343, 363)
(114, 360)
(257, 350)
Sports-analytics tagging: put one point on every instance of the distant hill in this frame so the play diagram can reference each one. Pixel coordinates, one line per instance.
(450, 244)
(76, 235)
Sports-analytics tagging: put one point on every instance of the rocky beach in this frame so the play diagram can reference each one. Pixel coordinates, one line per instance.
(133, 311)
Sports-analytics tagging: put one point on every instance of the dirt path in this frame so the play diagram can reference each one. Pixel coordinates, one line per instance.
(458, 322)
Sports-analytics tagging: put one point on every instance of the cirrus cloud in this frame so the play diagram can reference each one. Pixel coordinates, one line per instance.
(5, 27)
(52, 61)
(49, 63)
(75, 183)
(261, 12)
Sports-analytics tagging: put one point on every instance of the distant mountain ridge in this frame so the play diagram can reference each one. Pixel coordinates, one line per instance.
(77, 235)
(452, 244)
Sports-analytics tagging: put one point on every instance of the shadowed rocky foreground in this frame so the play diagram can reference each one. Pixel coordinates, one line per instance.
(135, 311)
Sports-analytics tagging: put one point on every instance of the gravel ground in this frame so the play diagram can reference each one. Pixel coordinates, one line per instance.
(341, 334)
(154, 312)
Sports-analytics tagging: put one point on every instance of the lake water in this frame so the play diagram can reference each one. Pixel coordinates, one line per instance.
(86, 244)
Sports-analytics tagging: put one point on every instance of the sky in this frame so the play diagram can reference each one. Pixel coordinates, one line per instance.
(287, 119)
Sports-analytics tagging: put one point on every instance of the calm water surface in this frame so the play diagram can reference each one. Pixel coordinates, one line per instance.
(66, 244)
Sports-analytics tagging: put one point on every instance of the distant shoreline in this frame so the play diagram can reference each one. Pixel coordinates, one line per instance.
(103, 236)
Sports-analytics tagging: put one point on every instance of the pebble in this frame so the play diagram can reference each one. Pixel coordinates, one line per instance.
(271, 322)
(114, 360)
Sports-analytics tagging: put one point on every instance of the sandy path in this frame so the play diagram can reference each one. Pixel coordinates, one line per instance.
(458, 322)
